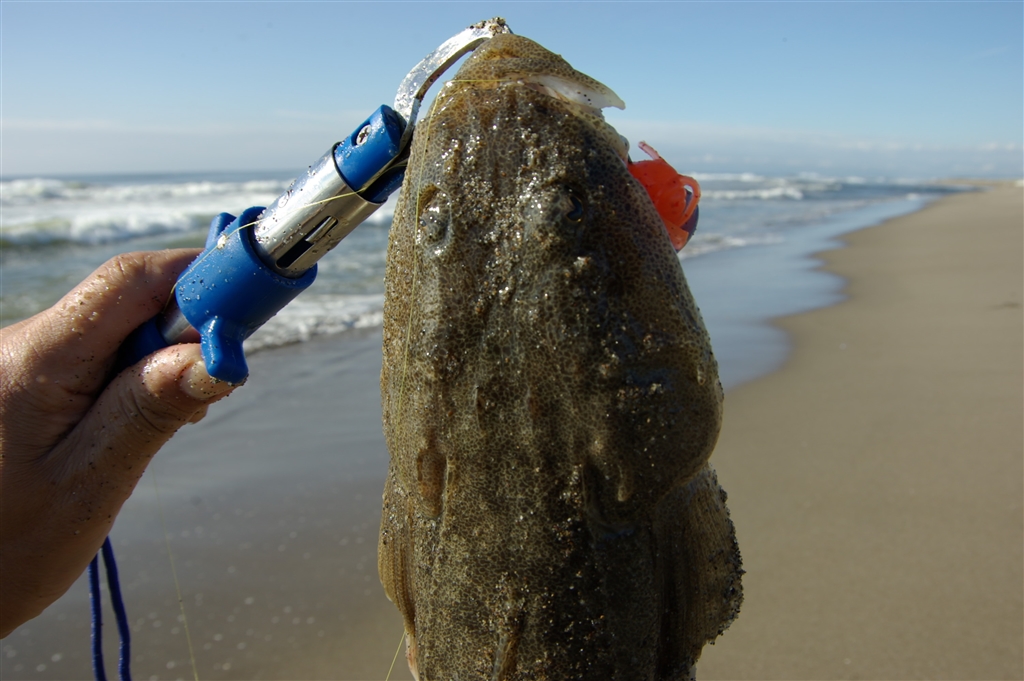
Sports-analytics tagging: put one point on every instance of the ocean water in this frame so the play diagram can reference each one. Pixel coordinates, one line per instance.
(274, 538)
(754, 236)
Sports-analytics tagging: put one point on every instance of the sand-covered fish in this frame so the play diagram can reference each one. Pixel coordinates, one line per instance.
(550, 397)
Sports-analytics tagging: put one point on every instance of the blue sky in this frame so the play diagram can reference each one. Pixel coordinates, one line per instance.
(920, 89)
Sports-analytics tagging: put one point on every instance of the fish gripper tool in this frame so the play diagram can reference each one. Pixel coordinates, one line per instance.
(257, 262)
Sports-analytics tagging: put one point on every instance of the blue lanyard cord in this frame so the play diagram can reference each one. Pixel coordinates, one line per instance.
(123, 666)
(97, 619)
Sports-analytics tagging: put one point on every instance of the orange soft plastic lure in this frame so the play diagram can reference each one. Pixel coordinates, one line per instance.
(674, 195)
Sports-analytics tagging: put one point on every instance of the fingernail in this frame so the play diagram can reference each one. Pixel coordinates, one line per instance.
(200, 414)
(199, 385)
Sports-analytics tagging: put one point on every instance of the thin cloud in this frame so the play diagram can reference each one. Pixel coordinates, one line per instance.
(700, 147)
(35, 124)
(703, 133)
(991, 52)
(16, 125)
(333, 118)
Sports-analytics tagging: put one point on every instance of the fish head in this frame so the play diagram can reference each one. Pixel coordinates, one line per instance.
(547, 376)
(523, 248)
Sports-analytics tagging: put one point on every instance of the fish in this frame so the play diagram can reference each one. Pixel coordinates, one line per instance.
(550, 396)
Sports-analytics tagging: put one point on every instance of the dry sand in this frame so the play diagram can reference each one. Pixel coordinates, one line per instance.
(876, 480)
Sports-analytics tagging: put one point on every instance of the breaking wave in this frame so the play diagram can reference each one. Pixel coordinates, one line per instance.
(41, 211)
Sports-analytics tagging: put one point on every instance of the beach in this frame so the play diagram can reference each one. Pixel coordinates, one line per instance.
(875, 479)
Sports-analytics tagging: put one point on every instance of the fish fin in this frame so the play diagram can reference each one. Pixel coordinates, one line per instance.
(394, 552)
(700, 571)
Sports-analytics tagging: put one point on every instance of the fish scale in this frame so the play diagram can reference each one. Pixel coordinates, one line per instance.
(550, 397)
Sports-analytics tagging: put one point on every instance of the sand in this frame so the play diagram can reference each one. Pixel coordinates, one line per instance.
(875, 481)
(271, 507)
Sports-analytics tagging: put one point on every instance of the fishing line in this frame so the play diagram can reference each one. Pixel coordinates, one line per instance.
(408, 328)
(174, 574)
(401, 394)
(416, 253)
(393, 659)
(107, 549)
(225, 235)
(415, 281)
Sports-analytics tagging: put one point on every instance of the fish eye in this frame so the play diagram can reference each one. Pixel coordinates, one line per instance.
(575, 208)
(434, 215)
(434, 225)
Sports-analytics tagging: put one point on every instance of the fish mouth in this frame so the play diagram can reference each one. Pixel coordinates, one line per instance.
(585, 98)
(589, 97)
(508, 60)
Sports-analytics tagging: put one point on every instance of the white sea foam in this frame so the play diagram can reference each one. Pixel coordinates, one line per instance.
(96, 226)
(765, 194)
(702, 244)
(98, 219)
(728, 177)
(43, 190)
(750, 186)
(318, 315)
(42, 211)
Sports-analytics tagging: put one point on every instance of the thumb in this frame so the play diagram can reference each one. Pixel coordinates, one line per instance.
(91, 473)
(137, 414)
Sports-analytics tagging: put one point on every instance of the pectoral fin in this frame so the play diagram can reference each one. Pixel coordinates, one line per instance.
(394, 552)
(699, 569)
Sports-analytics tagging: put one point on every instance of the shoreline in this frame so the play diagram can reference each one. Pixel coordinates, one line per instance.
(876, 478)
(297, 461)
(742, 292)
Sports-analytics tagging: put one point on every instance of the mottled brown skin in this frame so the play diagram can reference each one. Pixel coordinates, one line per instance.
(550, 401)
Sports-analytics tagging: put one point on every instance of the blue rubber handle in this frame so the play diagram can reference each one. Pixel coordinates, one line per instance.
(225, 294)
(143, 342)
(228, 292)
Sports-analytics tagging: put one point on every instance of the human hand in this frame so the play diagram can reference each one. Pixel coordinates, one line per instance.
(72, 446)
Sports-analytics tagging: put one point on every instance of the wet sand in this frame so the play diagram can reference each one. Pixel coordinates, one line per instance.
(271, 507)
(875, 481)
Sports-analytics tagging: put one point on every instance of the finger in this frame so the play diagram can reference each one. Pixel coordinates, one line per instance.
(75, 341)
(141, 409)
(102, 459)
(58, 511)
(199, 415)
